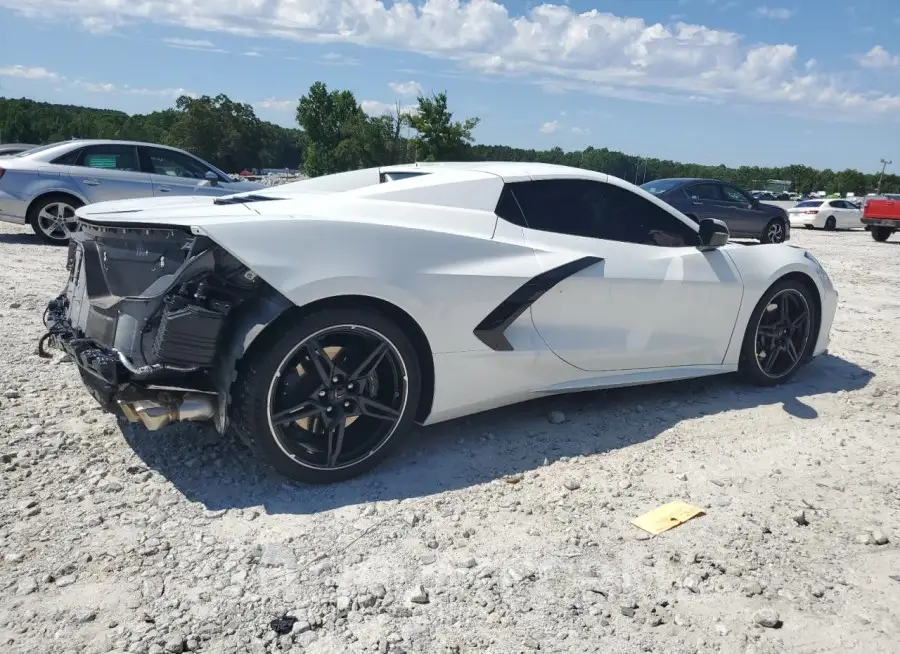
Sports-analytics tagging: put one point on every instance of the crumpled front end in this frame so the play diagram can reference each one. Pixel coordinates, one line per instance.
(143, 315)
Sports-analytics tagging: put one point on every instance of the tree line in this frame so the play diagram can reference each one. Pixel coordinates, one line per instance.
(335, 134)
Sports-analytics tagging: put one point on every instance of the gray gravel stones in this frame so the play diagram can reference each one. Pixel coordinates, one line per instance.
(767, 617)
(115, 539)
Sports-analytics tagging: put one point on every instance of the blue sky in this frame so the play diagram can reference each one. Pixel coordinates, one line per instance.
(711, 81)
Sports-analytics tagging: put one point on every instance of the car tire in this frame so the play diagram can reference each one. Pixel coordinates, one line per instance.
(52, 218)
(775, 231)
(830, 224)
(881, 234)
(308, 449)
(764, 334)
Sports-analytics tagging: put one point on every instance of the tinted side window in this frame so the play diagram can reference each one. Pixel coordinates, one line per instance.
(69, 158)
(704, 192)
(175, 164)
(109, 157)
(733, 194)
(598, 210)
(508, 208)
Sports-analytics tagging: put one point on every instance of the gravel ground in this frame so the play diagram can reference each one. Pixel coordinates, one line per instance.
(506, 532)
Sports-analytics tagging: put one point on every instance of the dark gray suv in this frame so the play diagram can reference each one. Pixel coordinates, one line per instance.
(745, 216)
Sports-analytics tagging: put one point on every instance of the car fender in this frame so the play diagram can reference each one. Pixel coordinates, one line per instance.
(42, 186)
(760, 267)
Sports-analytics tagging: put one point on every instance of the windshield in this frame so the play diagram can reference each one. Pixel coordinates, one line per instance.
(810, 203)
(39, 148)
(660, 186)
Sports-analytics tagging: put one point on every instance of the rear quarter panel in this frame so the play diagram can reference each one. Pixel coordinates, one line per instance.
(882, 209)
(440, 265)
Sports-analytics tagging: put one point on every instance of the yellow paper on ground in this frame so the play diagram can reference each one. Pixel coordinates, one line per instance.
(666, 516)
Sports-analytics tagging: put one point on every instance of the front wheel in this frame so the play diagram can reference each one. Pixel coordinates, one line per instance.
(330, 397)
(774, 232)
(780, 335)
(881, 234)
(53, 218)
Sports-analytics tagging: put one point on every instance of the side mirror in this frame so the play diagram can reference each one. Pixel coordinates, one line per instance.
(713, 233)
(212, 178)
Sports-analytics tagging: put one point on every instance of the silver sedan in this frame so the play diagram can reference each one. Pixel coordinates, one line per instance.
(45, 185)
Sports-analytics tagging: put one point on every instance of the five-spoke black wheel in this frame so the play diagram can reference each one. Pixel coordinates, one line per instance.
(333, 395)
(780, 334)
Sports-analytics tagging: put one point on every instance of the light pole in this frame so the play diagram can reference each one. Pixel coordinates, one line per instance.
(884, 164)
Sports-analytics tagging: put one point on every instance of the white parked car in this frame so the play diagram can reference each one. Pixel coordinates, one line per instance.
(44, 186)
(826, 214)
(319, 320)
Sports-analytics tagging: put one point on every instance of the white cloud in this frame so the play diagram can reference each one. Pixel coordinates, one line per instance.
(201, 45)
(412, 89)
(42, 74)
(550, 126)
(275, 105)
(252, 53)
(94, 87)
(27, 73)
(776, 13)
(378, 108)
(581, 131)
(878, 57)
(551, 45)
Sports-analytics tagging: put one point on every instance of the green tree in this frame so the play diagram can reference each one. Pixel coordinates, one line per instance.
(440, 138)
(222, 131)
(334, 125)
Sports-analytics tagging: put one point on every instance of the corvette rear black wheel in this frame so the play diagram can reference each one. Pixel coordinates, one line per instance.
(780, 335)
(331, 397)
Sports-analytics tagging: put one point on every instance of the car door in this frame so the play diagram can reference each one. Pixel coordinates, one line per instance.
(748, 216)
(653, 300)
(110, 171)
(177, 173)
(847, 217)
(705, 200)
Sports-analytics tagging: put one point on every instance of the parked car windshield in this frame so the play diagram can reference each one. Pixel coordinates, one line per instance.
(660, 186)
(810, 203)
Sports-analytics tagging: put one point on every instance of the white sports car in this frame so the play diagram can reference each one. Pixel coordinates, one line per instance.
(321, 319)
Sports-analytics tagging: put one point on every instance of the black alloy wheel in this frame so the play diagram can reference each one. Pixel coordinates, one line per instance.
(830, 224)
(780, 335)
(336, 393)
(337, 397)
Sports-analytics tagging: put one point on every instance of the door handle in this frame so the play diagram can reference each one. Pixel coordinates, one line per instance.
(91, 182)
(697, 204)
(164, 189)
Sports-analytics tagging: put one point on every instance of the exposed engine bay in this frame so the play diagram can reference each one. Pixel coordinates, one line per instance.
(144, 314)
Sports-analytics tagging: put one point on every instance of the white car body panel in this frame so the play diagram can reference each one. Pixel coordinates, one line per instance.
(433, 247)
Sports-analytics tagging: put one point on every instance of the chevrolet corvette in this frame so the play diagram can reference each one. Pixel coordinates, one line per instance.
(319, 321)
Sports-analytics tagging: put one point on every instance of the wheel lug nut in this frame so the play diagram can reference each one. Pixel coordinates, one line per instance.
(335, 380)
(322, 393)
(346, 405)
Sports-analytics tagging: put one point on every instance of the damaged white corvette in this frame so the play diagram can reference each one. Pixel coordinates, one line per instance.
(320, 320)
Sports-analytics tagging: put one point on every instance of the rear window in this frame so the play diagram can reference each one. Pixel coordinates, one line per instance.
(660, 186)
(810, 203)
(397, 176)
